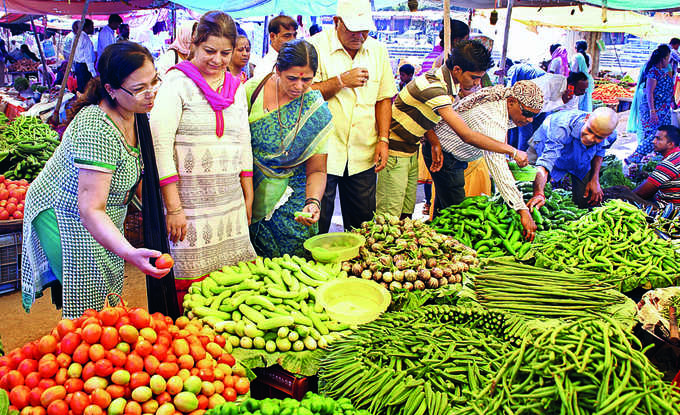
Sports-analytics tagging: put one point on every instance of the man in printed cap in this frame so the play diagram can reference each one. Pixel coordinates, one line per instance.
(493, 111)
(574, 143)
(356, 79)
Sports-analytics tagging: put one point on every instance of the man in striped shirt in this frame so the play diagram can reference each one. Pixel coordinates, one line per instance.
(663, 185)
(492, 112)
(417, 109)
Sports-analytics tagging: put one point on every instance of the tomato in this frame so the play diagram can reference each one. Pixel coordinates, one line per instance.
(103, 368)
(228, 359)
(229, 381)
(139, 379)
(34, 397)
(139, 318)
(229, 394)
(242, 386)
(91, 333)
(32, 379)
(134, 363)
(115, 391)
(167, 369)
(109, 316)
(58, 407)
(11, 208)
(70, 342)
(47, 344)
(79, 401)
(18, 214)
(101, 398)
(12, 186)
(88, 371)
(4, 215)
(117, 357)
(27, 366)
(96, 352)
(48, 368)
(133, 408)
(19, 396)
(109, 337)
(65, 326)
(12, 200)
(4, 194)
(73, 385)
(20, 193)
(151, 364)
(165, 261)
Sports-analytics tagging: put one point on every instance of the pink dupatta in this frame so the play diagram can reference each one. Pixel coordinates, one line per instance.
(218, 101)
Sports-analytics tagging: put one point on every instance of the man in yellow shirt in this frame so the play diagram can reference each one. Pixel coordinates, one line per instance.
(356, 79)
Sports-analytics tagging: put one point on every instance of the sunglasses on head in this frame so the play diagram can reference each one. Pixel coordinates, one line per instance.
(525, 112)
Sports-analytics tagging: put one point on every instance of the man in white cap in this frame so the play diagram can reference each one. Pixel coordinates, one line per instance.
(356, 79)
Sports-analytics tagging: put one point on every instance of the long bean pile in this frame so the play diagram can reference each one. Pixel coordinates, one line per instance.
(541, 293)
(615, 242)
(585, 367)
(25, 146)
(428, 360)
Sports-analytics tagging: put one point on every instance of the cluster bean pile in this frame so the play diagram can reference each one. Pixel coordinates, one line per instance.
(615, 242)
(430, 360)
(311, 404)
(584, 367)
(489, 226)
(409, 254)
(270, 304)
(25, 146)
(541, 293)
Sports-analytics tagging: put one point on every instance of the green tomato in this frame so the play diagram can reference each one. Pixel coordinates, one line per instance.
(298, 346)
(270, 346)
(246, 342)
(293, 336)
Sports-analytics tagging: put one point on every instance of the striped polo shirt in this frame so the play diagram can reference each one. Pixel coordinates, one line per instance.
(666, 177)
(414, 111)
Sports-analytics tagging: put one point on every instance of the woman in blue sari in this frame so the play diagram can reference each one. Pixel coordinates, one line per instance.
(289, 126)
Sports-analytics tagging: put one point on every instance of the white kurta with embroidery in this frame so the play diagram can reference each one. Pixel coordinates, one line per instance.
(207, 169)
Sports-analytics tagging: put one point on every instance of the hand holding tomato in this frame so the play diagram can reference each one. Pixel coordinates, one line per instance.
(140, 258)
(165, 261)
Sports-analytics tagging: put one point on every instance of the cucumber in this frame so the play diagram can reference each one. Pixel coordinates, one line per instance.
(236, 316)
(282, 332)
(240, 328)
(283, 344)
(261, 301)
(298, 346)
(275, 323)
(270, 346)
(318, 308)
(203, 311)
(315, 273)
(300, 318)
(252, 331)
(310, 343)
(275, 292)
(293, 335)
(258, 343)
(303, 331)
(226, 279)
(254, 315)
(246, 342)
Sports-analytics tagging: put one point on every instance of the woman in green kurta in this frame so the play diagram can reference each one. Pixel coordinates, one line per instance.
(289, 126)
(74, 213)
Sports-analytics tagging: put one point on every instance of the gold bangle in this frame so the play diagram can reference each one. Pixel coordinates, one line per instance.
(174, 212)
(384, 140)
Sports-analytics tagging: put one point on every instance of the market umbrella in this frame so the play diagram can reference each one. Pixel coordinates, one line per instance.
(161, 293)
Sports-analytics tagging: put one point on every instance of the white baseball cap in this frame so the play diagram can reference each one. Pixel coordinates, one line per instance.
(356, 15)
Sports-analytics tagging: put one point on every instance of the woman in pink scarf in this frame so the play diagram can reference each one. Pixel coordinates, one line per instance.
(559, 63)
(178, 51)
(201, 139)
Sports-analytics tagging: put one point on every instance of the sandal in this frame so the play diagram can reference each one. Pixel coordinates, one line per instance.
(426, 209)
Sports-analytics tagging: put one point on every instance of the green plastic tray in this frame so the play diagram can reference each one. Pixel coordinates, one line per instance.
(334, 247)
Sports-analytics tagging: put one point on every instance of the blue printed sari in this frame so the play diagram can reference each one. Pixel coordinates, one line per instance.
(279, 175)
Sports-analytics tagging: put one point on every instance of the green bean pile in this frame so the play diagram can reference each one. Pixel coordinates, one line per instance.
(615, 242)
(25, 146)
(585, 367)
(455, 360)
(558, 210)
(422, 361)
(540, 293)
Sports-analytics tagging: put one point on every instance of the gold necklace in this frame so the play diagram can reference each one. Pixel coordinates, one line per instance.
(278, 111)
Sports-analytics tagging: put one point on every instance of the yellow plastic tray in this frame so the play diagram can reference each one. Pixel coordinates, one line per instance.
(353, 300)
(334, 247)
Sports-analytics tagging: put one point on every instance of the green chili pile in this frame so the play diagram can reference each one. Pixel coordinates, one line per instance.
(487, 225)
(25, 146)
(558, 210)
(540, 293)
(615, 242)
(408, 254)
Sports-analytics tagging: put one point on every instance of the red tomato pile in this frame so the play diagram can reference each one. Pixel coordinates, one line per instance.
(12, 195)
(122, 362)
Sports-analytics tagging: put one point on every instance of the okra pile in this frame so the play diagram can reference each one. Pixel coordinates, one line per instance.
(311, 404)
(408, 254)
(430, 360)
(270, 304)
(25, 146)
(584, 367)
(540, 293)
(486, 224)
(615, 242)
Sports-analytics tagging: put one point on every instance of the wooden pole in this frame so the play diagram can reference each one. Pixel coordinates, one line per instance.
(506, 35)
(57, 109)
(40, 51)
(447, 28)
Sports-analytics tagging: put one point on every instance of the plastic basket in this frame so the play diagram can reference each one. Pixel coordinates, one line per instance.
(353, 300)
(334, 247)
(10, 262)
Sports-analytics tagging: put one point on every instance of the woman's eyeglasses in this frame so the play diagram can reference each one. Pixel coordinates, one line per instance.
(155, 84)
(525, 112)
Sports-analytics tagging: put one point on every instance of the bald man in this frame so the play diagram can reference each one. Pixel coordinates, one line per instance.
(574, 143)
